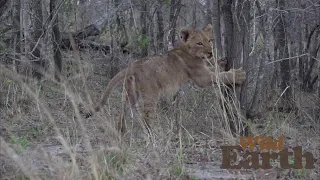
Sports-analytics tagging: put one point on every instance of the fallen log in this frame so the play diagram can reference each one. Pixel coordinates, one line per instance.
(85, 44)
(93, 45)
(79, 38)
(90, 30)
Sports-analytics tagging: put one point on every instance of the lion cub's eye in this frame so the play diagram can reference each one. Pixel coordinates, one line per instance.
(200, 44)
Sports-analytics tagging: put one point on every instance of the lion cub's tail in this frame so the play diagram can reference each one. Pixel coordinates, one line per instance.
(112, 84)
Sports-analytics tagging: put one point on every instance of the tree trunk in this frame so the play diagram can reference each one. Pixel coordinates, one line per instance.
(263, 75)
(194, 15)
(122, 36)
(131, 21)
(282, 46)
(151, 25)
(301, 59)
(160, 35)
(4, 8)
(227, 40)
(312, 49)
(83, 13)
(175, 7)
(241, 56)
(227, 32)
(56, 39)
(235, 45)
(208, 18)
(144, 30)
(319, 83)
(35, 45)
(217, 27)
(16, 44)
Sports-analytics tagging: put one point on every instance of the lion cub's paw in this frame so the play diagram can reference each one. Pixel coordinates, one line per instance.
(239, 75)
(222, 61)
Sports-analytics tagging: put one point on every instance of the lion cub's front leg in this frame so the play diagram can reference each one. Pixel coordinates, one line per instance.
(204, 77)
(233, 76)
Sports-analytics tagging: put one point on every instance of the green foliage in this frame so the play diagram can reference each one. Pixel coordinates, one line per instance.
(34, 132)
(2, 46)
(143, 42)
(114, 164)
(104, 30)
(251, 127)
(178, 168)
(68, 6)
(290, 160)
(271, 161)
(177, 171)
(103, 177)
(303, 173)
(259, 43)
(180, 157)
(21, 177)
(166, 1)
(68, 67)
(10, 81)
(23, 142)
(117, 160)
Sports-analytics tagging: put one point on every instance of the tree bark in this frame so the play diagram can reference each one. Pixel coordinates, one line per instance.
(160, 35)
(144, 30)
(151, 25)
(227, 32)
(4, 7)
(123, 39)
(217, 27)
(319, 84)
(208, 18)
(313, 46)
(194, 15)
(16, 44)
(235, 45)
(282, 47)
(254, 110)
(35, 45)
(56, 39)
(227, 40)
(301, 59)
(175, 7)
(242, 43)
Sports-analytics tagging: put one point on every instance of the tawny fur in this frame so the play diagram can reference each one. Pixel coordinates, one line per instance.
(149, 78)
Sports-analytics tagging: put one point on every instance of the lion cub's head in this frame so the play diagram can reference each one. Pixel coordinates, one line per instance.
(198, 42)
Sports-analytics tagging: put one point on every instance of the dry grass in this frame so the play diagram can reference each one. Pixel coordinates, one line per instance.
(44, 136)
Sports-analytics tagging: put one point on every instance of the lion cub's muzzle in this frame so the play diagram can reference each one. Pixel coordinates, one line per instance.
(209, 55)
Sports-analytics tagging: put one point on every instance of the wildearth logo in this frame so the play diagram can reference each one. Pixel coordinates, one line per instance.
(250, 159)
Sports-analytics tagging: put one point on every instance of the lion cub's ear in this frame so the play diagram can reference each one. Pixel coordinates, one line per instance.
(208, 29)
(185, 34)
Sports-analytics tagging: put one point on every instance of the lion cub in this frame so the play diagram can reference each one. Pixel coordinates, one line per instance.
(149, 78)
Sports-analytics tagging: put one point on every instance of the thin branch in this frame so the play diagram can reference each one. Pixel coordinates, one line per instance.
(283, 59)
(49, 25)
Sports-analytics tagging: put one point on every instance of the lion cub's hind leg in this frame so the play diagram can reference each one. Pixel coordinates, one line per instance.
(148, 114)
(130, 97)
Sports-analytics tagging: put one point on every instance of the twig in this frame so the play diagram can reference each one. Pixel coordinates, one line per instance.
(49, 24)
(283, 59)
